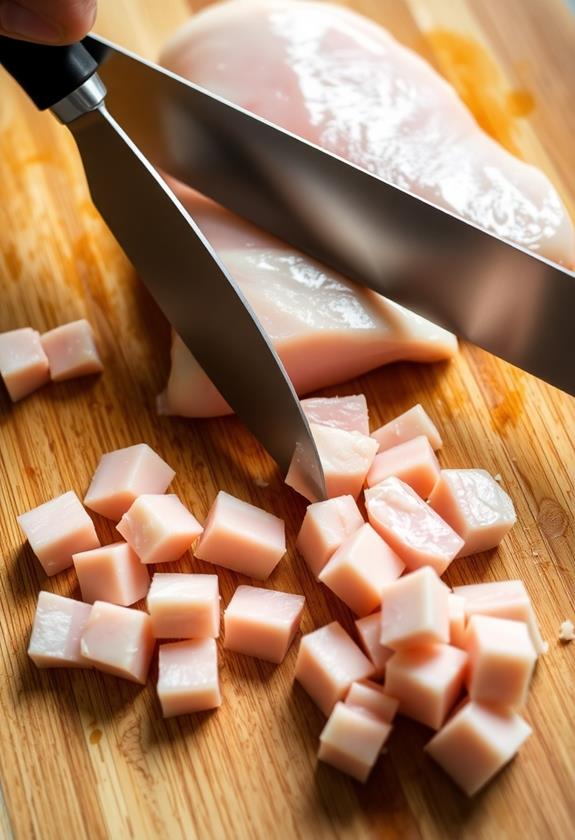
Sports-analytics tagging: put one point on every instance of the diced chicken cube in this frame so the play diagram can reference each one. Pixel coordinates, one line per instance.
(184, 606)
(71, 350)
(413, 529)
(456, 612)
(476, 743)
(360, 568)
(58, 529)
(408, 426)
(352, 740)
(23, 363)
(262, 622)
(111, 573)
(328, 662)
(501, 660)
(325, 527)
(58, 625)
(414, 462)
(502, 599)
(475, 506)
(369, 632)
(414, 610)
(345, 457)
(159, 528)
(242, 537)
(188, 678)
(348, 413)
(122, 476)
(372, 697)
(426, 681)
(119, 641)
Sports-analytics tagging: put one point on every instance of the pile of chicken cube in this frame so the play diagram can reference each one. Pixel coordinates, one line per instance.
(419, 645)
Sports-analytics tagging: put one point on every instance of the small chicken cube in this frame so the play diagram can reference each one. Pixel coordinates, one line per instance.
(23, 363)
(71, 350)
(122, 476)
(58, 529)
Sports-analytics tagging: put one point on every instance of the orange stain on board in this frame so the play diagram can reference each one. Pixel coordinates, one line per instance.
(506, 413)
(479, 82)
(95, 736)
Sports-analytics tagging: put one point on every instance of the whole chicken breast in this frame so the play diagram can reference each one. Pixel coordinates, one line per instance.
(343, 82)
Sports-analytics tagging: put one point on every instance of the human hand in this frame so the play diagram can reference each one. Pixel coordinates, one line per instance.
(47, 21)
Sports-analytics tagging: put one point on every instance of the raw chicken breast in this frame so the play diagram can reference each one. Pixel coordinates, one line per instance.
(324, 327)
(344, 83)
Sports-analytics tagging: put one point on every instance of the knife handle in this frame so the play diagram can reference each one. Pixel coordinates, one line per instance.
(47, 74)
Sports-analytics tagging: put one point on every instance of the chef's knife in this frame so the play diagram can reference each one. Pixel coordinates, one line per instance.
(182, 272)
(508, 300)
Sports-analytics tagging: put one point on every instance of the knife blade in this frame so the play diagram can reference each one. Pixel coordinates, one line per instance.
(508, 300)
(175, 261)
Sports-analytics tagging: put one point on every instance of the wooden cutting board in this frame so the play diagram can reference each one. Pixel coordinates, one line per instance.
(85, 755)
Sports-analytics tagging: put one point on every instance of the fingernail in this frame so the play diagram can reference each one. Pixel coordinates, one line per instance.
(23, 23)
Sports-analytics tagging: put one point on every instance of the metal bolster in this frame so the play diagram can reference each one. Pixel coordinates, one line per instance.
(84, 99)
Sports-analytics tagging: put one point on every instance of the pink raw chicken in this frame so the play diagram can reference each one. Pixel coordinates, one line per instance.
(184, 606)
(123, 475)
(456, 612)
(360, 569)
(159, 528)
(325, 526)
(413, 462)
(328, 661)
(58, 626)
(369, 632)
(343, 82)
(345, 457)
(407, 426)
(426, 681)
(188, 677)
(119, 640)
(324, 327)
(352, 740)
(262, 622)
(371, 696)
(410, 526)
(502, 599)
(399, 119)
(58, 529)
(111, 573)
(242, 537)
(71, 350)
(414, 610)
(23, 363)
(501, 660)
(357, 730)
(475, 506)
(476, 743)
(348, 413)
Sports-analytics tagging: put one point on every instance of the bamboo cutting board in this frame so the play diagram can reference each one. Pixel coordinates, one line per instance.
(85, 755)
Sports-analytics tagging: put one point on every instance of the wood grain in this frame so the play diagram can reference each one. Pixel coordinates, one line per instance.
(85, 755)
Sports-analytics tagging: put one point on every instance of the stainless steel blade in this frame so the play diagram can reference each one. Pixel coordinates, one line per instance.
(194, 291)
(499, 296)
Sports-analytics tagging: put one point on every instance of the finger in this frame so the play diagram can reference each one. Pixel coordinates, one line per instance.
(47, 21)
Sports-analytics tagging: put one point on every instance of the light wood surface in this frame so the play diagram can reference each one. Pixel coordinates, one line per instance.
(85, 755)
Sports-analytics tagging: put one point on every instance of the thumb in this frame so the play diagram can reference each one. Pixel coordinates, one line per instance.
(47, 21)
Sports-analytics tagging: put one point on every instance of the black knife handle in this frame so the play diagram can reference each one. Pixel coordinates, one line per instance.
(47, 74)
